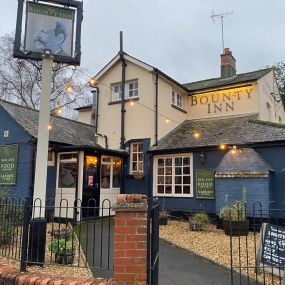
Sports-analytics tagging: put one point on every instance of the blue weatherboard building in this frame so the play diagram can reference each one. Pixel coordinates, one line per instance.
(195, 146)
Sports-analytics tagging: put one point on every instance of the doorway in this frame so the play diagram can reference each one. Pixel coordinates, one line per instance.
(91, 188)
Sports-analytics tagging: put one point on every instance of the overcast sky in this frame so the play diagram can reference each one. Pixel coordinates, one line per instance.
(177, 36)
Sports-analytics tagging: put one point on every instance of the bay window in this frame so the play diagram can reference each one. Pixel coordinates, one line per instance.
(173, 175)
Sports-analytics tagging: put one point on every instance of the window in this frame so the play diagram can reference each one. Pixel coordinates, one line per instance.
(174, 176)
(111, 168)
(136, 155)
(177, 99)
(67, 175)
(131, 90)
(51, 158)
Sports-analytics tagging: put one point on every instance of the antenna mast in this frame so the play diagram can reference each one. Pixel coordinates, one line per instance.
(221, 17)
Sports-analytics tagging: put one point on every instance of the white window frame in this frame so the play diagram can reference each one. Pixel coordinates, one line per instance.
(117, 96)
(155, 174)
(177, 99)
(132, 171)
(111, 171)
(52, 161)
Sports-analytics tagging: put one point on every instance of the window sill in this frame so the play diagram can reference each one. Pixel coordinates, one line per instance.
(126, 100)
(178, 108)
(174, 195)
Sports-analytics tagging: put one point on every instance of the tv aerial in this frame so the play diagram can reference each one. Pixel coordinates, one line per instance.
(221, 17)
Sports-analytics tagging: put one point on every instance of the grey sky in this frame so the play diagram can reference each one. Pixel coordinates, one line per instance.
(177, 36)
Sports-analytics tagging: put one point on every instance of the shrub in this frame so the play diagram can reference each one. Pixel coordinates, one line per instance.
(200, 219)
(237, 212)
(60, 246)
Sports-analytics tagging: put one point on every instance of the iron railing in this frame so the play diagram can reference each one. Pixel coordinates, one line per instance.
(58, 234)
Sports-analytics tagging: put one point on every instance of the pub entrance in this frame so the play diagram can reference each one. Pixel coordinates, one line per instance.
(91, 186)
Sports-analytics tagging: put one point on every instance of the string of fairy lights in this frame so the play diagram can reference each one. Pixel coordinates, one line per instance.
(93, 82)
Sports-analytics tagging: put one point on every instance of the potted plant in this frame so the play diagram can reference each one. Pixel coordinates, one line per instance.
(63, 250)
(234, 218)
(163, 217)
(199, 222)
(138, 175)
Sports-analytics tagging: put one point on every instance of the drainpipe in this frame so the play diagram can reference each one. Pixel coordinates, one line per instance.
(123, 111)
(95, 109)
(156, 107)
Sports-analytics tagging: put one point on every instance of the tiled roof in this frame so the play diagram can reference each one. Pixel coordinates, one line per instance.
(64, 130)
(218, 82)
(240, 130)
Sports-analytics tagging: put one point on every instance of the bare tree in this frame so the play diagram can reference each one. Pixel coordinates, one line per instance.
(20, 81)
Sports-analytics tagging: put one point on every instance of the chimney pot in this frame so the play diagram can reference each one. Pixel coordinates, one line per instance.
(228, 64)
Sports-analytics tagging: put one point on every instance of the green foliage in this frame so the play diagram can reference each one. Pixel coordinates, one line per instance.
(235, 213)
(60, 246)
(201, 219)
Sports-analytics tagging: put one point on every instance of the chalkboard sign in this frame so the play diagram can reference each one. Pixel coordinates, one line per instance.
(205, 184)
(272, 248)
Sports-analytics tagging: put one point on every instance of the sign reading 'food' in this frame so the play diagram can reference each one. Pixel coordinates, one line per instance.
(8, 164)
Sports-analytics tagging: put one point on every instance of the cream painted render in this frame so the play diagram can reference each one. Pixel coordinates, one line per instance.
(250, 98)
(139, 118)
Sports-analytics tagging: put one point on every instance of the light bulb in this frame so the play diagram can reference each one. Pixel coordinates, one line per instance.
(69, 88)
(222, 146)
(92, 82)
(196, 135)
(167, 120)
(132, 103)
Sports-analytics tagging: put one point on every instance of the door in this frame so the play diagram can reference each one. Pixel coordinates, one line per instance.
(67, 175)
(110, 183)
(91, 190)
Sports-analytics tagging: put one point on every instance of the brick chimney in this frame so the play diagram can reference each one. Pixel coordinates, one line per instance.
(228, 64)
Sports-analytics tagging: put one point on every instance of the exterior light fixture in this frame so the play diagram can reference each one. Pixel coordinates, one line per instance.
(202, 157)
(92, 82)
(223, 146)
(132, 103)
(196, 135)
(167, 120)
(234, 149)
(69, 88)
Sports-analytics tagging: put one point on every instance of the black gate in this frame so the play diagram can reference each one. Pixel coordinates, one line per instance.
(258, 256)
(153, 242)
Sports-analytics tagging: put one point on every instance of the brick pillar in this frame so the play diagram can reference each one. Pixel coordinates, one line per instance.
(130, 256)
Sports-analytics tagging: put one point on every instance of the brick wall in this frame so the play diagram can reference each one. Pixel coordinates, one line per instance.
(130, 257)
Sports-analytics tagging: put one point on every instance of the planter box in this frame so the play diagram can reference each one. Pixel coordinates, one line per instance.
(65, 258)
(236, 228)
(163, 221)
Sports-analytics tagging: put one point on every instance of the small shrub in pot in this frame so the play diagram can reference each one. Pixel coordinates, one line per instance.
(199, 222)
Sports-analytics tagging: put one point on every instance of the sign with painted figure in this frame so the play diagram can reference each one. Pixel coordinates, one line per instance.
(271, 253)
(8, 164)
(49, 28)
(205, 184)
(218, 103)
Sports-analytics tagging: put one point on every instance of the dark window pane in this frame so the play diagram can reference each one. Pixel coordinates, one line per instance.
(140, 164)
(186, 179)
(168, 161)
(160, 162)
(168, 170)
(160, 180)
(160, 189)
(186, 170)
(140, 147)
(178, 189)
(168, 180)
(168, 189)
(135, 166)
(178, 161)
(135, 157)
(65, 156)
(67, 175)
(160, 171)
(105, 176)
(178, 170)
(186, 161)
(140, 156)
(178, 180)
(135, 147)
(117, 164)
(186, 189)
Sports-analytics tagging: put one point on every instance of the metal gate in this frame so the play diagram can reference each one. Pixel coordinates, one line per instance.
(153, 242)
(258, 256)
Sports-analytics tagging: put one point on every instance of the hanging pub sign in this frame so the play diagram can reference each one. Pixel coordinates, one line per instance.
(205, 184)
(8, 164)
(271, 253)
(49, 29)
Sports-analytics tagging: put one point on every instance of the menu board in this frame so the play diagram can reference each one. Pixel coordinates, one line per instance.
(205, 184)
(8, 164)
(272, 248)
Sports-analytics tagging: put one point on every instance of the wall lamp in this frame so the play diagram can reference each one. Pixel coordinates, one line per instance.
(202, 157)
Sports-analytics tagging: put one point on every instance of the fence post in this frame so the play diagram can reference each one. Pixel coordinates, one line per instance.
(24, 245)
(130, 250)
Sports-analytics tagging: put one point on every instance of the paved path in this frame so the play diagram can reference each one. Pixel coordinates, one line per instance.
(178, 267)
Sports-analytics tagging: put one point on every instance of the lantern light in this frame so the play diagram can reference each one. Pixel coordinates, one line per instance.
(92, 82)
